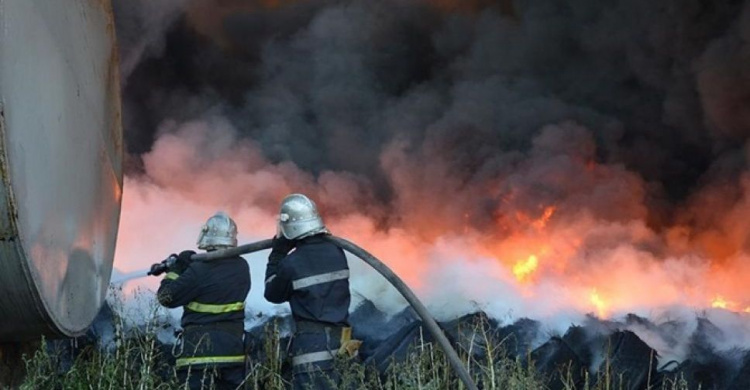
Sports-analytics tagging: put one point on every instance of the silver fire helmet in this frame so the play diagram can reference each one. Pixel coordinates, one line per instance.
(219, 231)
(299, 217)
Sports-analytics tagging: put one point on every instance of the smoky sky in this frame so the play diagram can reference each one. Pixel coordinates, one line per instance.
(659, 91)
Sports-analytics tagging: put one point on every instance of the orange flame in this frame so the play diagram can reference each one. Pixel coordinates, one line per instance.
(599, 303)
(541, 223)
(720, 303)
(524, 269)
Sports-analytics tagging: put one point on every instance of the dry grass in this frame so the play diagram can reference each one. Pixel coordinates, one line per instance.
(138, 361)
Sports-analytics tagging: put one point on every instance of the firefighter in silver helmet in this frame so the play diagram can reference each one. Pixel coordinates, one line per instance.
(314, 279)
(212, 294)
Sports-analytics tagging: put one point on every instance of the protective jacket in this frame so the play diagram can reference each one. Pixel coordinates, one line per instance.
(212, 294)
(314, 279)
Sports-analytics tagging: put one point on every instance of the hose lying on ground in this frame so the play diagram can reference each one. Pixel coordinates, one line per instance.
(392, 278)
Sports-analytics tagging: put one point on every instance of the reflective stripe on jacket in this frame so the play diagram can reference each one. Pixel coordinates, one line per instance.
(215, 309)
(183, 362)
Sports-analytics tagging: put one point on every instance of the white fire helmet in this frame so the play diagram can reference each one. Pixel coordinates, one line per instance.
(218, 232)
(299, 217)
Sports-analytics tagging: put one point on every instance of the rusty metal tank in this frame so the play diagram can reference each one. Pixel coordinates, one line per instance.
(60, 164)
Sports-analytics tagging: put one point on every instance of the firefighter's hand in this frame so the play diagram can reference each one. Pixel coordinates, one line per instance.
(182, 262)
(280, 247)
(282, 244)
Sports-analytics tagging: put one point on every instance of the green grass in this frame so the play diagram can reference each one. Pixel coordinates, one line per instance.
(137, 362)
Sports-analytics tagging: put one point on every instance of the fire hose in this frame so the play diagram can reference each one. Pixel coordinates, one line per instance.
(391, 277)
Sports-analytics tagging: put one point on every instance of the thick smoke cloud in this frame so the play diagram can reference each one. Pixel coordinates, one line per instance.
(655, 84)
(460, 141)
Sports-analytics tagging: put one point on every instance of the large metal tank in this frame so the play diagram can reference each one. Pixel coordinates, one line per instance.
(60, 164)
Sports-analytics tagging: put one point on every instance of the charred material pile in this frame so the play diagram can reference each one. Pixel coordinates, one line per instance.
(585, 352)
(591, 349)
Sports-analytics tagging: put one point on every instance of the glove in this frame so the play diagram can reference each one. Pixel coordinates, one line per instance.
(280, 247)
(181, 262)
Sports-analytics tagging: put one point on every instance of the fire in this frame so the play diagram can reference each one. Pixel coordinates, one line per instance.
(720, 303)
(541, 223)
(523, 220)
(560, 254)
(599, 303)
(524, 269)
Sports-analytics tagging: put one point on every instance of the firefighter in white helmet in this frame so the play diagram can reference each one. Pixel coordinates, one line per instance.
(314, 279)
(212, 294)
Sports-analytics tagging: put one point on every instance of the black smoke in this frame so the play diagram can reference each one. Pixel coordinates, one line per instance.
(453, 101)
